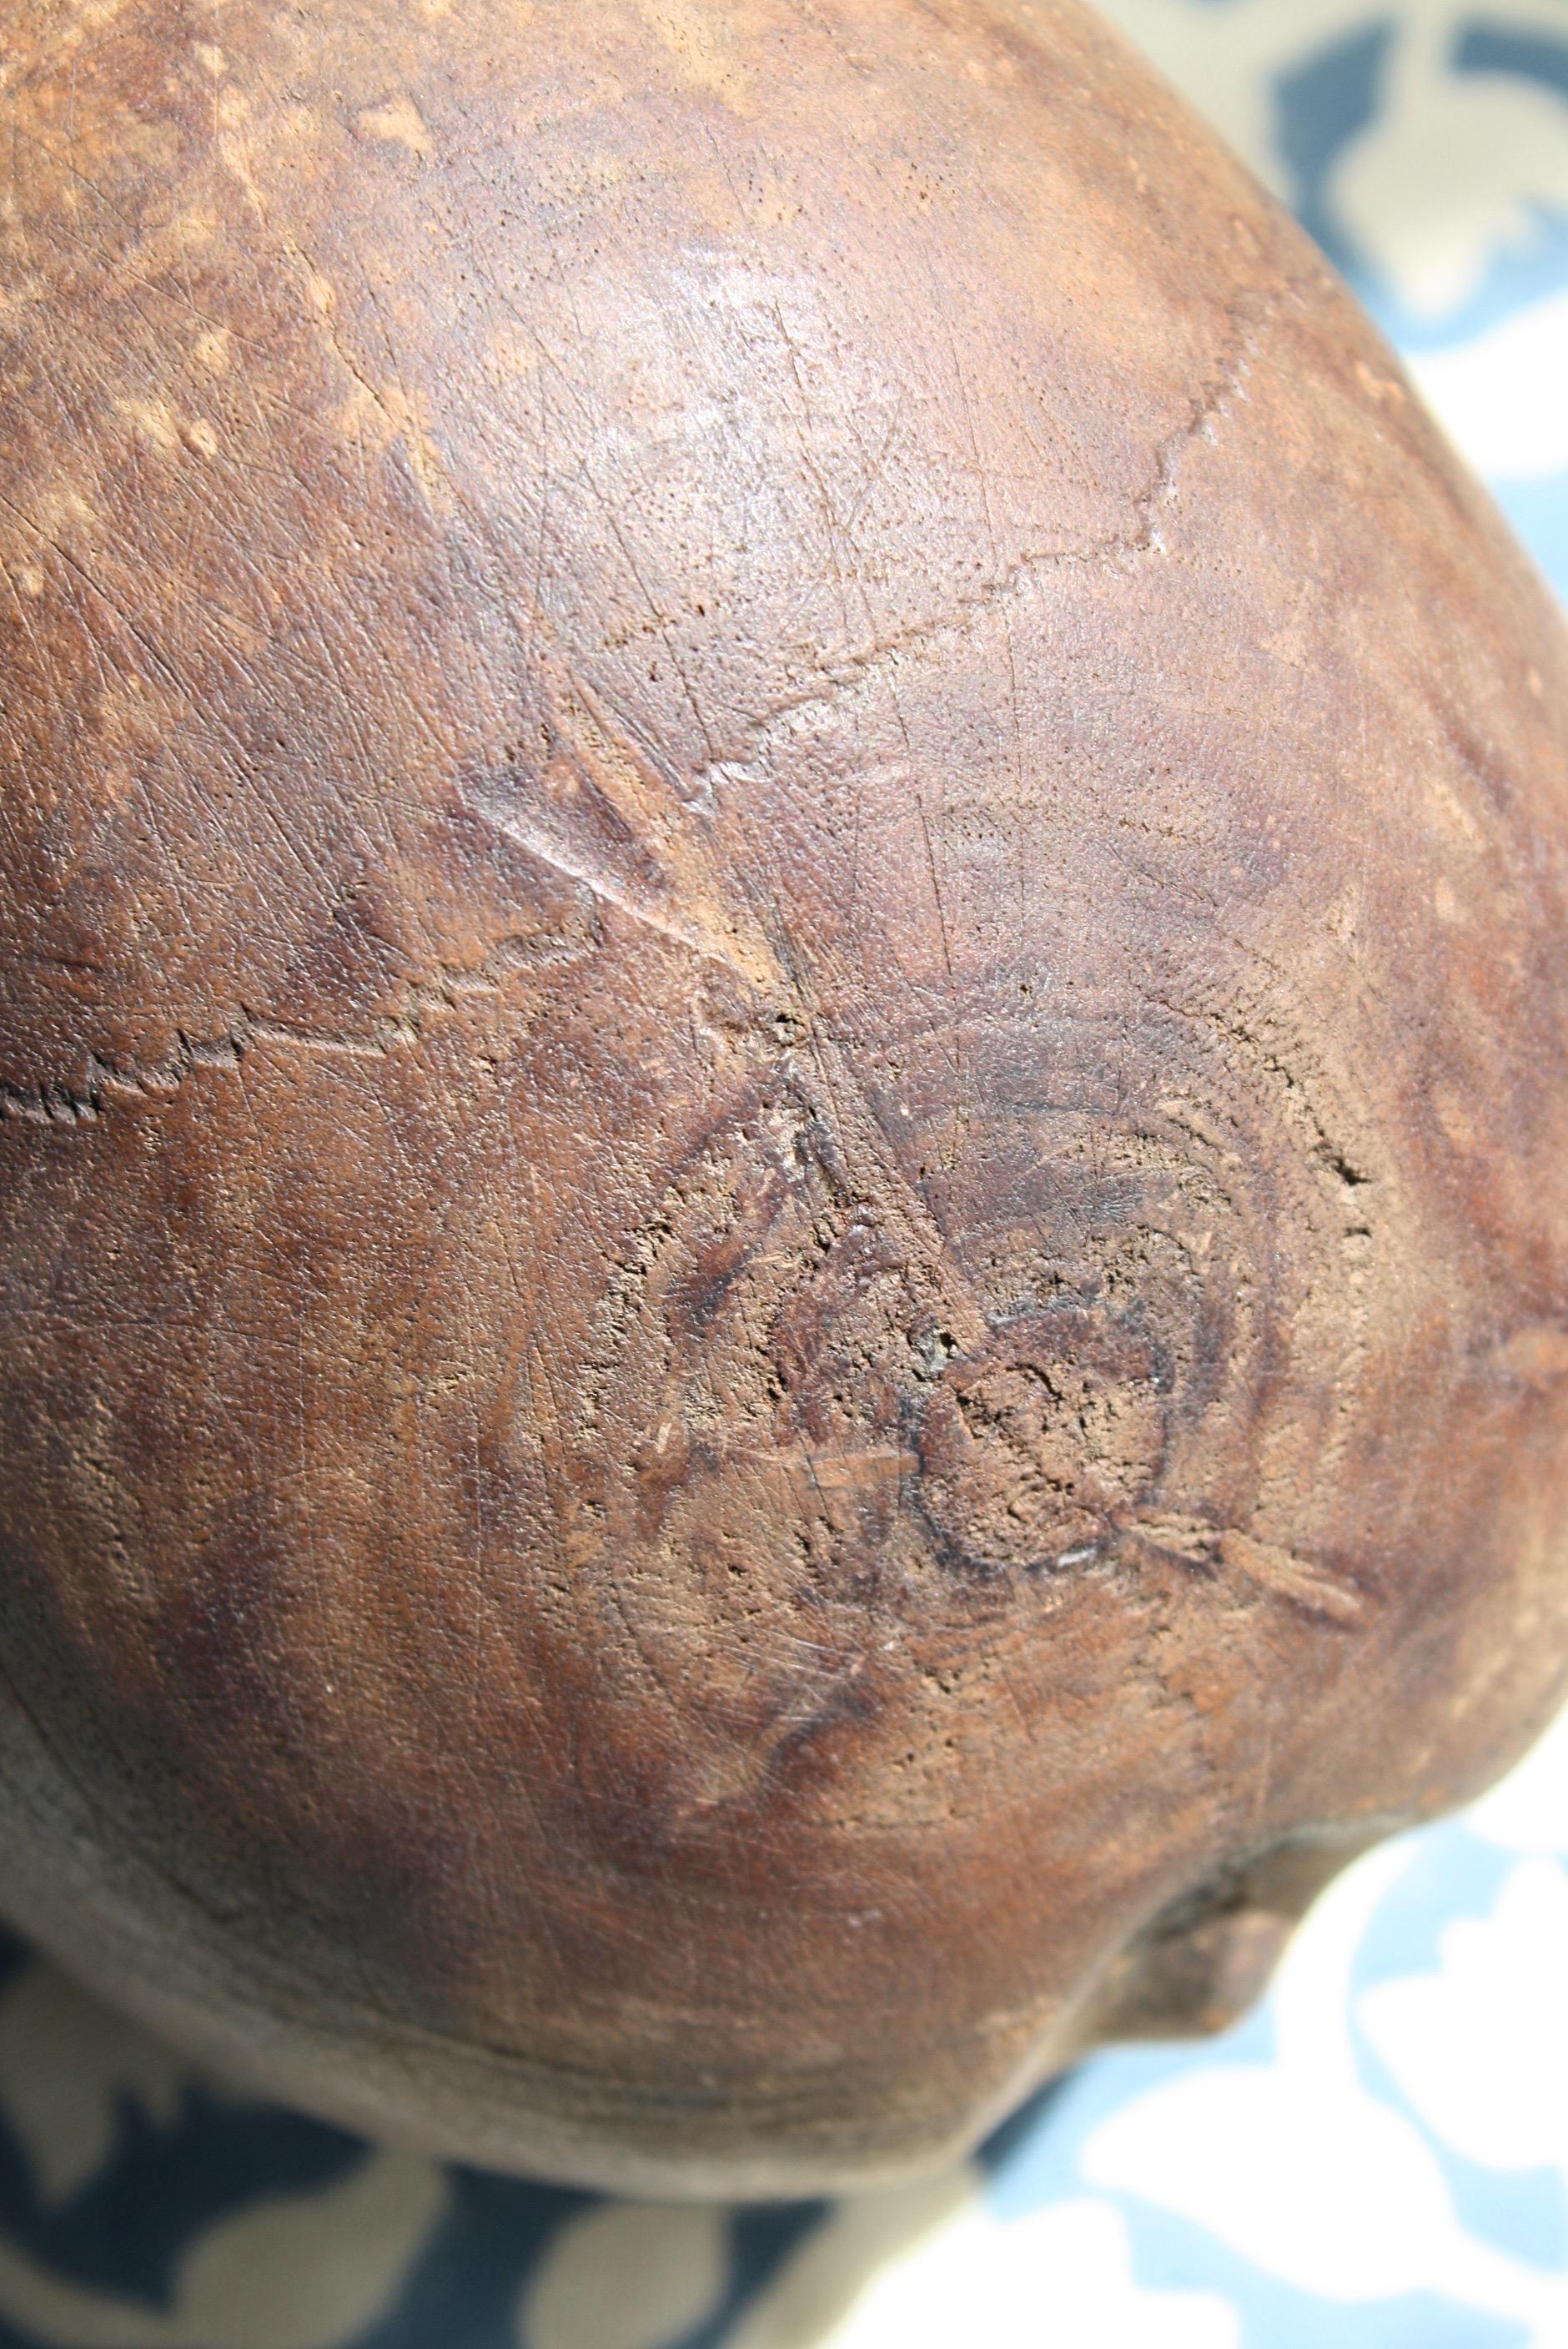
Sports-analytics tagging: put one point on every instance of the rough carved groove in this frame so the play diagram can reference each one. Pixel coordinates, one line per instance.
(57, 1103)
(1210, 402)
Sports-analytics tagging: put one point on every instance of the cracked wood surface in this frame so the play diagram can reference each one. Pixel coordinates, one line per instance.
(783, 1141)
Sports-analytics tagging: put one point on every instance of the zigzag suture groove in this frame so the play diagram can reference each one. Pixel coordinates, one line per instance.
(59, 1103)
(105, 1080)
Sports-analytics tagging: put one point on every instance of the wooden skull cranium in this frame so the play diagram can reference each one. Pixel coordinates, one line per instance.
(784, 1055)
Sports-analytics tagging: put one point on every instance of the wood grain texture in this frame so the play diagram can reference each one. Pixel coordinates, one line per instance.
(785, 1066)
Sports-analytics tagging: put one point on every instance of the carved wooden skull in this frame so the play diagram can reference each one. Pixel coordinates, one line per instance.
(785, 1059)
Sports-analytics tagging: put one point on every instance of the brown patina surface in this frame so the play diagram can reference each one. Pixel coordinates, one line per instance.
(785, 1161)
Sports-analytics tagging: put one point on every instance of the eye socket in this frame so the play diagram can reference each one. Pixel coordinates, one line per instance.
(1207, 1956)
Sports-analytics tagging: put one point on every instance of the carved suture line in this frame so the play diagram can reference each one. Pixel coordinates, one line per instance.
(688, 935)
(61, 1102)
(1208, 403)
(57, 1103)
(613, 759)
(1265, 1563)
(1292, 1578)
(103, 1080)
(829, 1469)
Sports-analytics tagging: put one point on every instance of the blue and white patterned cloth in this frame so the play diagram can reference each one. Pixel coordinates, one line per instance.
(1425, 145)
(1377, 2159)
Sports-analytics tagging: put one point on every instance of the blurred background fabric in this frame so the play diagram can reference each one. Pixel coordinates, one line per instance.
(1425, 146)
(1378, 2158)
